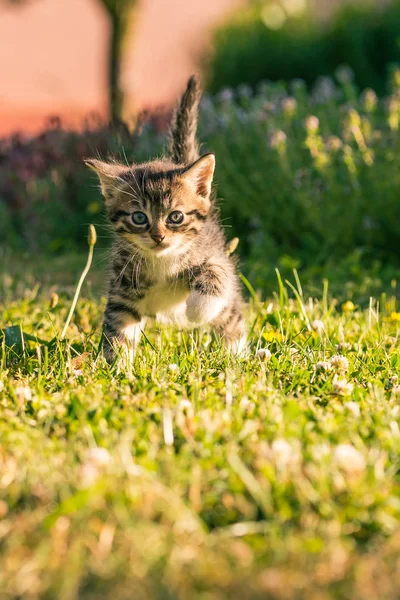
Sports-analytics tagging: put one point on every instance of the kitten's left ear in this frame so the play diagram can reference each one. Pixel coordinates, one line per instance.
(108, 174)
(200, 175)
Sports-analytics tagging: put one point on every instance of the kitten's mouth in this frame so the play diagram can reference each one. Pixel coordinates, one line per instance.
(159, 247)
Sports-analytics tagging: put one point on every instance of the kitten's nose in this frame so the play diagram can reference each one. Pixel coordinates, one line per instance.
(158, 238)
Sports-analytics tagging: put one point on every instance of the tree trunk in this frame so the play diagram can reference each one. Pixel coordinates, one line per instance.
(116, 99)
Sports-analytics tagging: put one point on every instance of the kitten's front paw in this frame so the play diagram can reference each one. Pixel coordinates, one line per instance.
(203, 308)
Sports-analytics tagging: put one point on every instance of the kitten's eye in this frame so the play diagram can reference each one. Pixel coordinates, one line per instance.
(176, 217)
(139, 218)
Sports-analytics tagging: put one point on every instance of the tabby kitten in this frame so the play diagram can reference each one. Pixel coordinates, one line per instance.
(169, 260)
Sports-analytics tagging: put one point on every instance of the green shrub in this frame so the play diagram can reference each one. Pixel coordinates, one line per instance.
(307, 180)
(364, 37)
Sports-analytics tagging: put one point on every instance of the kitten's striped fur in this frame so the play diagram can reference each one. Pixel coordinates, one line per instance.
(164, 269)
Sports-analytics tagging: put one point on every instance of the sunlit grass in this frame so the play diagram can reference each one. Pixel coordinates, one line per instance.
(198, 475)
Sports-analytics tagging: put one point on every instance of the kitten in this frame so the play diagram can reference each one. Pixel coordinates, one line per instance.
(169, 259)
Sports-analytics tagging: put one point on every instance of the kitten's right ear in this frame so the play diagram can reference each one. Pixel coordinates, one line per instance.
(108, 173)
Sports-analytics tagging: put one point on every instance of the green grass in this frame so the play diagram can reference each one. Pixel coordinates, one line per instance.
(198, 475)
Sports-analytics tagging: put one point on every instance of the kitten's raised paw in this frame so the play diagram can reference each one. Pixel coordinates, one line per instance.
(203, 308)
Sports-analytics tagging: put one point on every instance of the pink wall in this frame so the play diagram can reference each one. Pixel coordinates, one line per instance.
(53, 56)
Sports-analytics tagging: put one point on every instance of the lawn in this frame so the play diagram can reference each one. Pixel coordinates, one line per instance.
(196, 474)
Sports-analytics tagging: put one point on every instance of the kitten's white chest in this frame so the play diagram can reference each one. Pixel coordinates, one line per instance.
(166, 302)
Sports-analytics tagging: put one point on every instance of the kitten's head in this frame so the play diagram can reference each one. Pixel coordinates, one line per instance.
(159, 207)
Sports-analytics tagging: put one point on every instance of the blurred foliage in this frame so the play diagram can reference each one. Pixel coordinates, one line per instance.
(308, 180)
(275, 41)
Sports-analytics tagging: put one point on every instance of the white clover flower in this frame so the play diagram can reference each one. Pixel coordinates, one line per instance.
(246, 404)
(339, 362)
(282, 451)
(23, 394)
(97, 456)
(354, 408)
(343, 346)
(396, 390)
(318, 326)
(349, 459)
(183, 404)
(95, 460)
(293, 351)
(395, 378)
(323, 365)
(88, 473)
(342, 386)
(321, 451)
(264, 354)
(173, 367)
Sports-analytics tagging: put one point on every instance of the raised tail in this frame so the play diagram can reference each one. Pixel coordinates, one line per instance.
(183, 146)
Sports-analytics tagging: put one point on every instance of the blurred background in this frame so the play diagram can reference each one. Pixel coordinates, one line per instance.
(302, 107)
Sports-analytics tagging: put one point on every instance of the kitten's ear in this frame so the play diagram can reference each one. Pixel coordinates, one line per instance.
(200, 175)
(108, 174)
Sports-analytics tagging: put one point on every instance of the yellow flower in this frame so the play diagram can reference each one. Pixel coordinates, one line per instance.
(348, 306)
(271, 336)
(395, 317)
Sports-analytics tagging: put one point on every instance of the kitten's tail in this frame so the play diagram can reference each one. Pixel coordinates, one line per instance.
(183, 146)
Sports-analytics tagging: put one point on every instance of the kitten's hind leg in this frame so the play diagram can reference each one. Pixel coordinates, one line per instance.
(231, 326)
